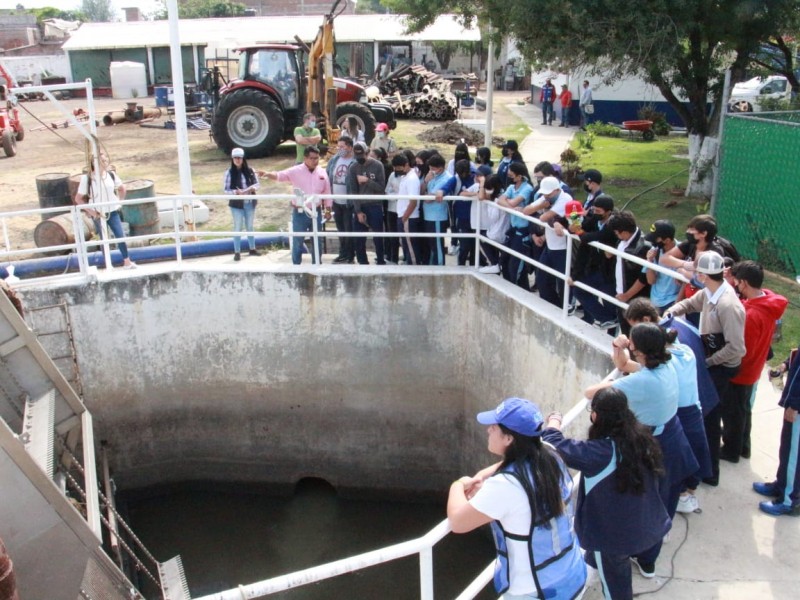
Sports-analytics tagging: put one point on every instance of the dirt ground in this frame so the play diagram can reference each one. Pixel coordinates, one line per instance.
(150, 153)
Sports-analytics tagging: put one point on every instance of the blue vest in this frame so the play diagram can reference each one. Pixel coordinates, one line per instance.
(559, 572)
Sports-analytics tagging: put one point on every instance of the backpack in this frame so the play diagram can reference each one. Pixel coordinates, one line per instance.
(728, 249)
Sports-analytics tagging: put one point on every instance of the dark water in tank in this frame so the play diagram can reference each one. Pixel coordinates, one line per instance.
(229, 538)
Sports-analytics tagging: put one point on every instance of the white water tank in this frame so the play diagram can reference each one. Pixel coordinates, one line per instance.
(128, 80)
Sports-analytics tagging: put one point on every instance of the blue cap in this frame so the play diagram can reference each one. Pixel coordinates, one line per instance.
(517, 414)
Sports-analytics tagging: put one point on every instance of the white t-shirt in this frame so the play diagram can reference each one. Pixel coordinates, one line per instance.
(497, 222)
(104, 190)
(392, 187)
(409, 186)
(502, 498)
(557, 242)
(339, 182)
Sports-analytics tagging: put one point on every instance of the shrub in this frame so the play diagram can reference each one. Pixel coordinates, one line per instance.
(659, 119)
(586, 140)
(604, 129)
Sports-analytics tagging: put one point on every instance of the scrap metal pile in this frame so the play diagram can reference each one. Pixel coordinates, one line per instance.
(416, 93)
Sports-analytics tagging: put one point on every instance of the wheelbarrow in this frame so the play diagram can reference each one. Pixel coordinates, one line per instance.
(646, 127)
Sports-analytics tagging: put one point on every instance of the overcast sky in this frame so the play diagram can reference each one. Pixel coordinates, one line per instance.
(145, 5)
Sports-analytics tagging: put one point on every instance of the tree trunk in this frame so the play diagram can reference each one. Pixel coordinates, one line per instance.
(703, 165)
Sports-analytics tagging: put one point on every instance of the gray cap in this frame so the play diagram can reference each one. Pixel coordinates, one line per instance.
(710, 263)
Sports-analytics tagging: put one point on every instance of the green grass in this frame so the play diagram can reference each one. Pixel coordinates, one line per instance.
(630, 166)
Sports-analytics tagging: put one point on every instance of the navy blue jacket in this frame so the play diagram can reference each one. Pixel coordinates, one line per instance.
(605, 519)
(790, 398)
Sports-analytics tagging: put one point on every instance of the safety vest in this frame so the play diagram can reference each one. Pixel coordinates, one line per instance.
(559, 572)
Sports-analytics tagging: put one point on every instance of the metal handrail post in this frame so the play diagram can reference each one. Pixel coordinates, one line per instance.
(567, 270)
(478, 234)
(426, 573)
(80, 240)
(316, 251)
(177, 227)
(6, 239)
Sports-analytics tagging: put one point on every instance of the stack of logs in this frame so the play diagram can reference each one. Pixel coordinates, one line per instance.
(416, 93)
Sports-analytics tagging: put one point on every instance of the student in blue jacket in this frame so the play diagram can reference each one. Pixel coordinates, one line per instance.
(619, 512)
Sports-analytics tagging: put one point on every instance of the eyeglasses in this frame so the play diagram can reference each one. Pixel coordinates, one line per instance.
(589, 407)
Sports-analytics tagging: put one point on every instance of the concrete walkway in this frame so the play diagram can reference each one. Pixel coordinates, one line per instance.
(545, 142)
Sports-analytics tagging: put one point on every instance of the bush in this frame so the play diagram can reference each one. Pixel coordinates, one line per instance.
(659, 119)
(779, 104)
(604, 129)
(586, 140)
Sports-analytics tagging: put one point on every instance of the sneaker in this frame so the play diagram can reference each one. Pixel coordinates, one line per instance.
(130, 265)
(712, 481)
(573, 308)
(688, 504)
(342, 260)
(777, 509)
(647, 570)
(490, 269)
(452, 250)
(770, 490)
(605, 325)
(237, 256)
(254, 252)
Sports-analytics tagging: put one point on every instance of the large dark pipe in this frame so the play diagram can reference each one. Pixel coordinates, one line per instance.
(38, 267)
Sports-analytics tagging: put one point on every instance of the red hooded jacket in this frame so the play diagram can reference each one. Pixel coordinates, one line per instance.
(759, 325)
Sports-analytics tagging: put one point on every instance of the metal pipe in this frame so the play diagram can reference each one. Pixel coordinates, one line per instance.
(487, 136)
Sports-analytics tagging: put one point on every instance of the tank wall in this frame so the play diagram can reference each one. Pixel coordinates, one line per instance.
(367, 381)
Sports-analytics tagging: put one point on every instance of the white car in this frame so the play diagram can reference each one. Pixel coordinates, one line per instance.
(747, 96)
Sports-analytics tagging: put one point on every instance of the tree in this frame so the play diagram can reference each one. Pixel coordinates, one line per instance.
(204, 9)
(680, 46)
(97, 11)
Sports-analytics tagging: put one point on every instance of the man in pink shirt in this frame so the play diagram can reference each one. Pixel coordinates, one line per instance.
(310, 179)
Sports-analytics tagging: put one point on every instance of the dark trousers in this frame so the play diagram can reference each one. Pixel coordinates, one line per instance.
(374, 213)
(547, 113)
(391, 246)
(787, 481)
(614, 572)
(551, 288)
(412, 246)
(466, 247)
(721, 376)
(436, 245)
(343, 217)
(594, 308)
(514, 269)
(734, 408)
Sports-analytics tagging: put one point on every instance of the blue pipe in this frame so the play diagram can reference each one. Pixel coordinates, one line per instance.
(54, 265)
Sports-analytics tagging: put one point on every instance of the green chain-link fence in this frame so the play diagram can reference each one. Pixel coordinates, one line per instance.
(758, 198)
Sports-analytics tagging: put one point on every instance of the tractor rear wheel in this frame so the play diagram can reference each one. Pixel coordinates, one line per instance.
(248, 119)
(9, 143)
(363, 115)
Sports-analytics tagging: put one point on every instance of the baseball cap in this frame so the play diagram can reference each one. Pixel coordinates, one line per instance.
(604, 201)
(237, 153)
(382, 127)
(660, 229)
(710, 263)
(592, 175)
(549, 185)
(360, 148)
(517, 414)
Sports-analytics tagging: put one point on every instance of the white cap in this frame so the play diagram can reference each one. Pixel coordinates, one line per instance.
(710, 263)
(237, 153)
(549, 185)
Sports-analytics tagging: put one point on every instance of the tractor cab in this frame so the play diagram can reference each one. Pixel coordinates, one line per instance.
(279, 68)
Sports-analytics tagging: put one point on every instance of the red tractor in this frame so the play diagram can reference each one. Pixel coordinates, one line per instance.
(11, 129)
(261, 107)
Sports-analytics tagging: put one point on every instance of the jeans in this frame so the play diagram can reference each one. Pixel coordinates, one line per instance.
(374, 213)
(302, 222)
(547, 113)
(114, 223)
(551, 288)
(565, 116)
(343, 216)
(243, 221)
(436, 245)
(585, 118)
(412, 246)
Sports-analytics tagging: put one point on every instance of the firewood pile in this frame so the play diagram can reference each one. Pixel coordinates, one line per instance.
(416, 93)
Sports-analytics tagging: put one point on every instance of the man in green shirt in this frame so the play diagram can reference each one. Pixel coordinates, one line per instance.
(306, 134)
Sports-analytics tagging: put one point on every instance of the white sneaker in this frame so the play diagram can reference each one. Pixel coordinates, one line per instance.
(452, 250)
(130, 265)
(490, 269)
(688, 504)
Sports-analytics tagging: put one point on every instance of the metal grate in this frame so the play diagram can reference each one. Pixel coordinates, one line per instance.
(756, 205)
(103, 583)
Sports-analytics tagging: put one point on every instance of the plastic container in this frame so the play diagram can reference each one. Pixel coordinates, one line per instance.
(165, 96)
(128, 80)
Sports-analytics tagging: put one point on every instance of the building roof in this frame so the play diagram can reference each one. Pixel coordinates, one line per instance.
(238, 32)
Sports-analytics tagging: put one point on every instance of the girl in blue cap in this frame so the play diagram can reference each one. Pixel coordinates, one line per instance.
(526, 499)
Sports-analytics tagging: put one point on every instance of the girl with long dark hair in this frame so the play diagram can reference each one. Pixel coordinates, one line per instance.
(241, 180)
(526, 498)
(619, 510)
(653, 393)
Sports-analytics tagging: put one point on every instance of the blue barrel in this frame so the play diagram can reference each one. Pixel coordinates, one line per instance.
(163, 93)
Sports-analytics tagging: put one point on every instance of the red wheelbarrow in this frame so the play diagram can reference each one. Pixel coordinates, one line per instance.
(646, 127)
